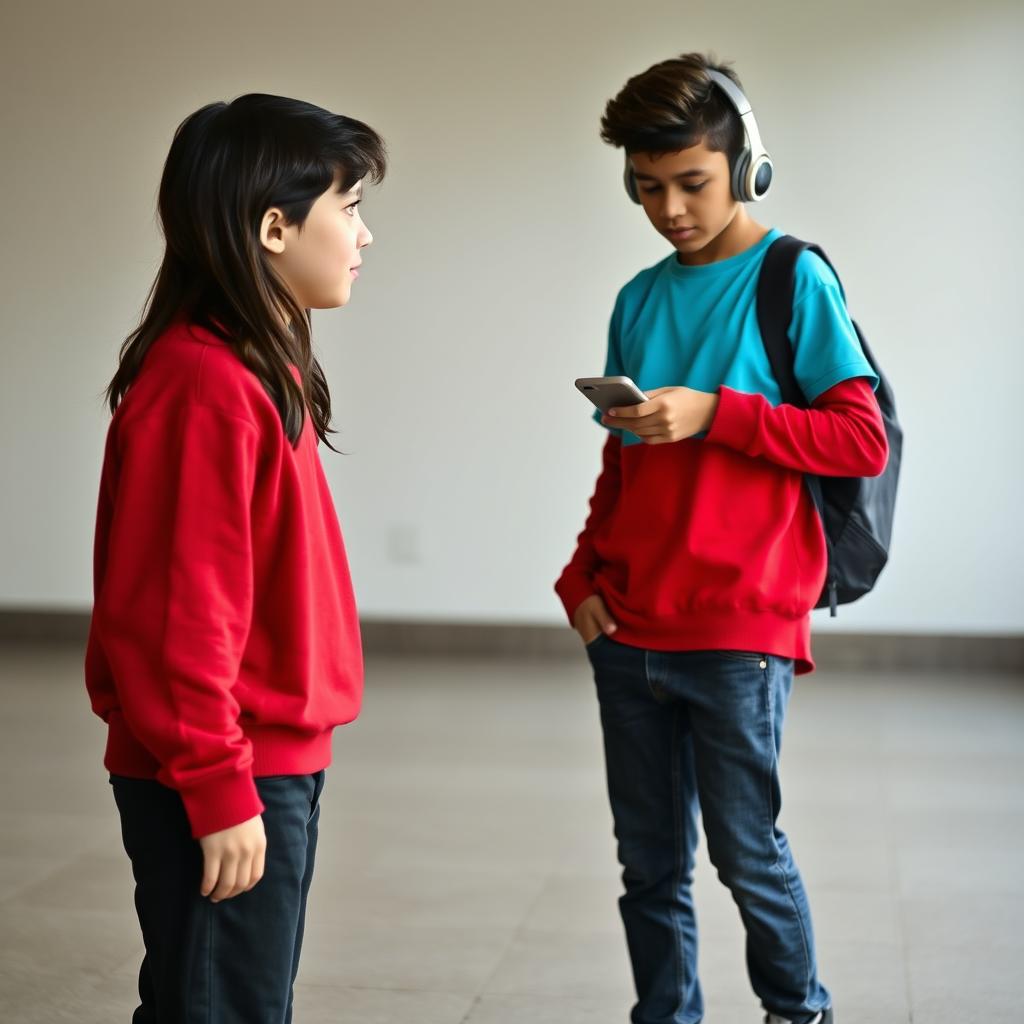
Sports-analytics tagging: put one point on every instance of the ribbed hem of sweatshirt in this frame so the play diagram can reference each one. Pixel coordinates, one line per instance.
(727, 629)
(229, 798)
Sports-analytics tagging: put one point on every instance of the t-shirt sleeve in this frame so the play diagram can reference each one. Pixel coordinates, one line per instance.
(613, 360)
(825, 344)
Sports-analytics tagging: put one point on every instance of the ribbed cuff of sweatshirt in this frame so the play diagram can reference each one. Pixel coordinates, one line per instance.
(736, 420)
(573, 589)
(220, 802)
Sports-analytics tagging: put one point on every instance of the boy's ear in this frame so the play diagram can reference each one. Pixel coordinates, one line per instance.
(272, 231)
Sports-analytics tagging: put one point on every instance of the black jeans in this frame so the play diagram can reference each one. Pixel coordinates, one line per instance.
(232, 962)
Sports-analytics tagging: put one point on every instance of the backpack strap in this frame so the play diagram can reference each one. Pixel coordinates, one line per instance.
(775, 288)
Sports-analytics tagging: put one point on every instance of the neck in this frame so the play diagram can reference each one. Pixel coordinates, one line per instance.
(738, 235)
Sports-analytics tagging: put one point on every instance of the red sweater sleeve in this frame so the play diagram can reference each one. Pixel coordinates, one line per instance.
(842, 434)
(575, 584)
(175, 602)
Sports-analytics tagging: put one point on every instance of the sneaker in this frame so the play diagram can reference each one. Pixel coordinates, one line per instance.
(825, 1017)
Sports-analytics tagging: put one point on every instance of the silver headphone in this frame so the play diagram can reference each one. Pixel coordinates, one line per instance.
(753, 170)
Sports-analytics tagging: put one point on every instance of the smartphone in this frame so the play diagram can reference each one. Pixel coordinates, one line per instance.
(610, 392)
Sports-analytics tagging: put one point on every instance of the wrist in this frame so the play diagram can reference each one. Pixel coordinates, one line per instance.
(711, 410)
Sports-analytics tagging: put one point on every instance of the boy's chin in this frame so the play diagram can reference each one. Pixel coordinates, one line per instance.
(688, 244)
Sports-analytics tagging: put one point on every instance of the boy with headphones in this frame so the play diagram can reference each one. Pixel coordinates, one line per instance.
(703, 553)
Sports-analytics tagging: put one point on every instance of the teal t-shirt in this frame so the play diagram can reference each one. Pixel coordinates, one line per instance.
(681, 326)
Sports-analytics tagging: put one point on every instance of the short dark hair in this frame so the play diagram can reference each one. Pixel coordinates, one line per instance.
(674, 105)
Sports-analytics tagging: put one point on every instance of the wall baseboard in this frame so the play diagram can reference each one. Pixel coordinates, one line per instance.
(840, 651)
(831, 650)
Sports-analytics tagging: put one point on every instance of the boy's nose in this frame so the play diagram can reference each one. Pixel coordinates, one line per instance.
(675, 205)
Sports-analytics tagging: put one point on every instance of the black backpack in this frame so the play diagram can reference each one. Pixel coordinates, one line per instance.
(856, 512)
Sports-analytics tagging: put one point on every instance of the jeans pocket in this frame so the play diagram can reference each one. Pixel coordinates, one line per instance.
(596, 641)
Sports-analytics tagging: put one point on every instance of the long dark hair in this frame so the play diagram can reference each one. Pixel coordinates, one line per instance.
(228, 164)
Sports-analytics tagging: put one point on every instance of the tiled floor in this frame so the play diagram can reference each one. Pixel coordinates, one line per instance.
(466, 870)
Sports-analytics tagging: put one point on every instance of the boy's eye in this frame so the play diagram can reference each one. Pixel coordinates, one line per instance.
(686, 188)
(351, 208)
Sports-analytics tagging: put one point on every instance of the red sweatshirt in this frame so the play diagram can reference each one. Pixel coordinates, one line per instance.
(716, 543)
(224, 641)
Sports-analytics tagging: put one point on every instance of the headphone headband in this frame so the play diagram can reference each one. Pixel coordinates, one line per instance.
(752, 171)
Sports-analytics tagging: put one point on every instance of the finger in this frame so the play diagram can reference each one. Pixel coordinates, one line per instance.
(258, 867)
(226, 881)
(632, 423)
(211, 872)
(606, 622)
(645, 432)
(243, 878)
(631, 412)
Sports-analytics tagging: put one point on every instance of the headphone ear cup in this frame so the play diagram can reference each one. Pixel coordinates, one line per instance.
(760, 177)
(629, 180)
(739, 177)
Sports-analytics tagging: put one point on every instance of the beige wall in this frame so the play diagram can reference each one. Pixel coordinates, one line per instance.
(501, 238)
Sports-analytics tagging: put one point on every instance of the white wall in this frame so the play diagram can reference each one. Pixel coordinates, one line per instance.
(502, 235)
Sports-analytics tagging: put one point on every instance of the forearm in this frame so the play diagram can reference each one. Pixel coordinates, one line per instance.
(174, 681)
(842, 434)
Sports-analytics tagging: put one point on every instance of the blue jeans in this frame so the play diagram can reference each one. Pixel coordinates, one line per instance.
(232, 962)
(700, 731)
